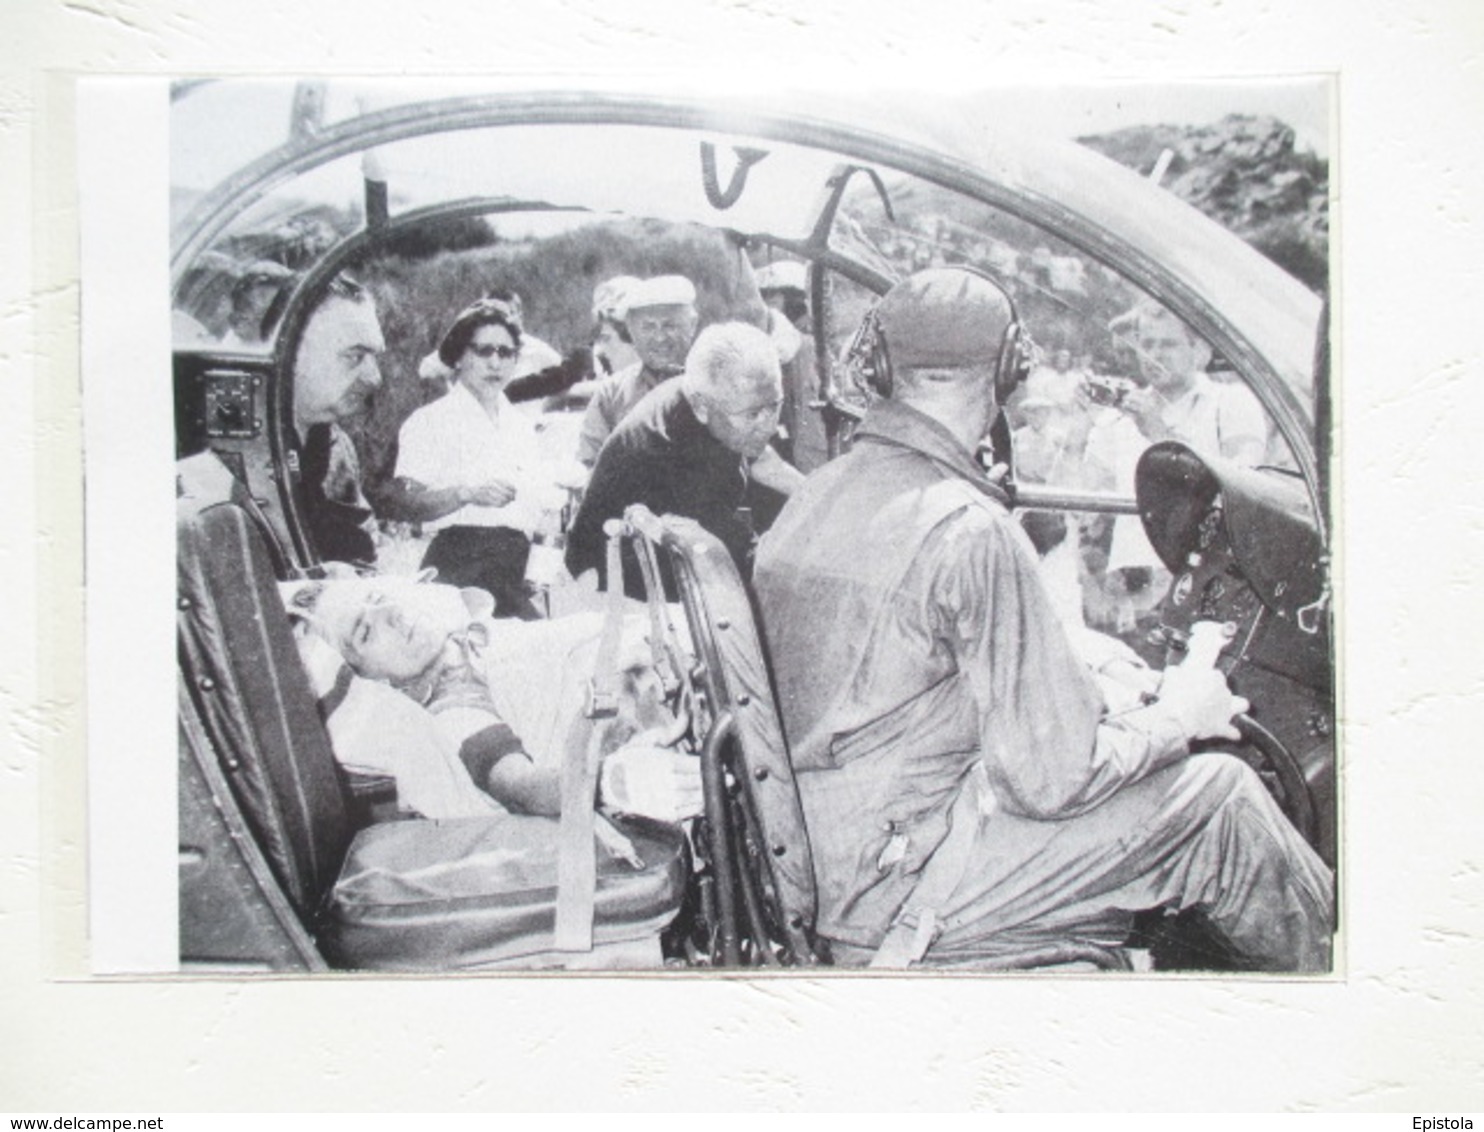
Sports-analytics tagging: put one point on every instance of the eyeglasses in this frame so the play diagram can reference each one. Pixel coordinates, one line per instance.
(494, 350)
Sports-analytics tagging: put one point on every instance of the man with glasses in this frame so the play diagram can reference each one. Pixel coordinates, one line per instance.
(661, 319)
(690, 448)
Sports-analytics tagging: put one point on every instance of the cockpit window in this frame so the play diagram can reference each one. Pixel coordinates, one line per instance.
(1113, 372)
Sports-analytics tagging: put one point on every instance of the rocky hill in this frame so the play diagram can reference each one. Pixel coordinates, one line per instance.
(1243, 172)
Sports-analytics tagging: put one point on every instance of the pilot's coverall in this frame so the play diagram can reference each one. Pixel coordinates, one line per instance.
(926, 682)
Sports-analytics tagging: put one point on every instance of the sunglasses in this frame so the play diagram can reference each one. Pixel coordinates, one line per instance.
(494, 350)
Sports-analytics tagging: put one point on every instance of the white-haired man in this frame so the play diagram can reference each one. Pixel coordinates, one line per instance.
(690, 447)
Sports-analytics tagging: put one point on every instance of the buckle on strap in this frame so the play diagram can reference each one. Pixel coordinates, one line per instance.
(602, 701)
(908, 939)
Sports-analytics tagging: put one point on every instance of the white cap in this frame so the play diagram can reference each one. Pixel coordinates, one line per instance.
(663, 291)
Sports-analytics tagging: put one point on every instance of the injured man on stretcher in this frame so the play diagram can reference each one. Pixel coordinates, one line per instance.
(471, 715)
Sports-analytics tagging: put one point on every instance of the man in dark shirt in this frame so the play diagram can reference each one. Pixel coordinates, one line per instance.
(688, 448)
(336, 371)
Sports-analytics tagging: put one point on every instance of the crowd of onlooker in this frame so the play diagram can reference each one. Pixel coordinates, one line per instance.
(1099, 392)
(490, 465)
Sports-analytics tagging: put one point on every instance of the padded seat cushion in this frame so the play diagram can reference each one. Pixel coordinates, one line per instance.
(445, 895)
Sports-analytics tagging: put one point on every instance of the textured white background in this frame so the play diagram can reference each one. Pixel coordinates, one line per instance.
(1400, 1031)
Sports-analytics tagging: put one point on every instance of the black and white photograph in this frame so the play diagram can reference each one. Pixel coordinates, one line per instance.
(651, 530)
(735, 556)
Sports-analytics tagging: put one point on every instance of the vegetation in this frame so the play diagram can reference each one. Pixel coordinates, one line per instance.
(1244, 173)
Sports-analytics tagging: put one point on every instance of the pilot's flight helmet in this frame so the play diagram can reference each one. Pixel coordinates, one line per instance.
(943, 318)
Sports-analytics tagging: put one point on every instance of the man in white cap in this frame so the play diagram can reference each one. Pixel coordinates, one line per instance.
(969, 798)
(661, 319)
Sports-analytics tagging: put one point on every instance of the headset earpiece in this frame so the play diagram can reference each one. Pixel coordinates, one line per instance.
(870, 353)
(1014, 364)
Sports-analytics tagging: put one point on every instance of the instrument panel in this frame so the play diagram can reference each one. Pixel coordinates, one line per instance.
(1243, 549)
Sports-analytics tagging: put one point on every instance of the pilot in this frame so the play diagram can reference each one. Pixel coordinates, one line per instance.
(661, 319)
(336, 371)
(690, 448)
(968, 795)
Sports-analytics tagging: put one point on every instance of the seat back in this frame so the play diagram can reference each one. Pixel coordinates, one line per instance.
(252, 714)
(758, 846)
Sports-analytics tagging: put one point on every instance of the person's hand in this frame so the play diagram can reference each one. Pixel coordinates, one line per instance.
(1084, 402)
(651, 782)
(1144, 405)
(495, 493)
(1199, 696)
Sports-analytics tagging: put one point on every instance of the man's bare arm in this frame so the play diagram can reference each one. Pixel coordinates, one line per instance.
(772, 470)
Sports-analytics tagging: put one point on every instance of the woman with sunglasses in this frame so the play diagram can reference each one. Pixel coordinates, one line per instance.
(470, 468)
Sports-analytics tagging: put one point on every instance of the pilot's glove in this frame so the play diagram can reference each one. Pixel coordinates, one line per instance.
(652, 782)
(1199, 697)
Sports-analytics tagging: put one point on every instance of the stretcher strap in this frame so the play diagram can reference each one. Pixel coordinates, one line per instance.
(577, 867)
(920, 921)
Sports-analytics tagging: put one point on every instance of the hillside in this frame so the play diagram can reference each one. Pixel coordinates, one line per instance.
(1245, 173)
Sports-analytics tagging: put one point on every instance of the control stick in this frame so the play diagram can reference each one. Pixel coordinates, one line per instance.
(1207, 639)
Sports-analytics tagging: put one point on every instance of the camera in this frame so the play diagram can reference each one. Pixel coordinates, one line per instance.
(1110, 391)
